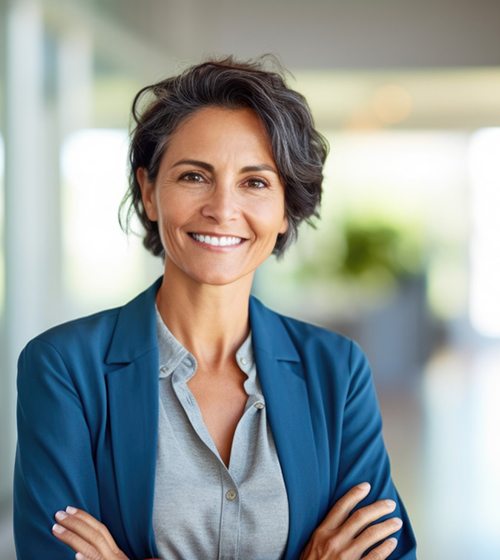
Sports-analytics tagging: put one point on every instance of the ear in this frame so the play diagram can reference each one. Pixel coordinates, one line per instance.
(147, 193)
(284, 225)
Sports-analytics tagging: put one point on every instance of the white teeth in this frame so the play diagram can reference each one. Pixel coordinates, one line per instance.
(217, 241)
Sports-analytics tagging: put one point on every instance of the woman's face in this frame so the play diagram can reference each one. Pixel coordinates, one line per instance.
(218, 199)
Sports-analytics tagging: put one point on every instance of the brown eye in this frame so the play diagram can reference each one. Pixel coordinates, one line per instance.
(256, 183)
(192, 177)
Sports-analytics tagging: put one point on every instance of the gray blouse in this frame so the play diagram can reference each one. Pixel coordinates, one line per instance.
(202, 509)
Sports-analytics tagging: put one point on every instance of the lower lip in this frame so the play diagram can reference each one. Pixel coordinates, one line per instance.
(217, 248)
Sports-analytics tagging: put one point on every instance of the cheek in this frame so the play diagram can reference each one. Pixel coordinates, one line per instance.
(173, 211)
(273, 217)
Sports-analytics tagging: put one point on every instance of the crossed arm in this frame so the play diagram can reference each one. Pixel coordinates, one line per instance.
(342, 535)
(346, 531)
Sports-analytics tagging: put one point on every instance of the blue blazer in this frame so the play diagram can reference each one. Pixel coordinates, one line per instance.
(88, 421)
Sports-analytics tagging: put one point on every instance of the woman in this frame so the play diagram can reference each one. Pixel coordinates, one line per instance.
(194, 422)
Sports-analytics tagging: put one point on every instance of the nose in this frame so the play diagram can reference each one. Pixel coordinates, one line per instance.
(221, 205)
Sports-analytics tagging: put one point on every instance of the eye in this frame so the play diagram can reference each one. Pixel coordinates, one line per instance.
(256, 183)
(192, 177)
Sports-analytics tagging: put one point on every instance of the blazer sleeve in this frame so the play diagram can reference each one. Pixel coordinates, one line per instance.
(363, 456)
(54, 466)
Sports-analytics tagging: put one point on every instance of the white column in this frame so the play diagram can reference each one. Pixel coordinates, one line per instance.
(75, 79)
(6, 415)
(73, 112)
(27, 247)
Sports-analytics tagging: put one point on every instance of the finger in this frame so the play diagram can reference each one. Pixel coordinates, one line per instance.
(305, 553)
(343, 507)
(375, 534)
(95, 524)
(81, 527)
(75, 542)
(356, 533)
(364, 516)
(383, 551)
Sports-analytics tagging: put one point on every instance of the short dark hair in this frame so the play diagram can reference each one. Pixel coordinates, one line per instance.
(299, 150)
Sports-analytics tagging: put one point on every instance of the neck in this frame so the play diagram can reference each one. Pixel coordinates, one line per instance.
(210, 321)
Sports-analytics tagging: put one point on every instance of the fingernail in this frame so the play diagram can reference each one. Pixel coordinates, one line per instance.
(397, 522)
(79, 556)
(58, 529)
(60, 515)
(391, 504)
(364, 486)
(71, 510)
(393, 541)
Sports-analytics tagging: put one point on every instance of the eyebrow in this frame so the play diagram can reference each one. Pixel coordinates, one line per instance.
(210, 168)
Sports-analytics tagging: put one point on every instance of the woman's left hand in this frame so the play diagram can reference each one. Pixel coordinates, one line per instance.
(87, 536)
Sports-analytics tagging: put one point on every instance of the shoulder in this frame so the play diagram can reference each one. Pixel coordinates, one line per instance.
(309, 333)
(311, 341)
(95, 333)
(95, 328)
(332, 365)
(72, 353)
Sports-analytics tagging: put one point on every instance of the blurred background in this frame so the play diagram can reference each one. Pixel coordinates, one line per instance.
(406, 256)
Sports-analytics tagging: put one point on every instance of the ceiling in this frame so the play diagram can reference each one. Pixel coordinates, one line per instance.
(361, 63)
(321, 34)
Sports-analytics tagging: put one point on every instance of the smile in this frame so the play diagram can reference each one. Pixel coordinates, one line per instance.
(217, 241)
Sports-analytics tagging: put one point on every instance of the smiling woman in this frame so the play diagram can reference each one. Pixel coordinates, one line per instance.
(218, 199)
(194, 422)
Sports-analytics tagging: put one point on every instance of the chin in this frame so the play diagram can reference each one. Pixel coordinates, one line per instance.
(220, 280)
(220, 277)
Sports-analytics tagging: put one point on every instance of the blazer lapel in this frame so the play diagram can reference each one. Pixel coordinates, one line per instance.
(132, 387)
(282, 379)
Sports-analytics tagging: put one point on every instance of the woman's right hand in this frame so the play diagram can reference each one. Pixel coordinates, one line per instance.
(346, 536)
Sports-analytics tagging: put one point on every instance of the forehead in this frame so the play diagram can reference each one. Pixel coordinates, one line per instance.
(221, 130)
